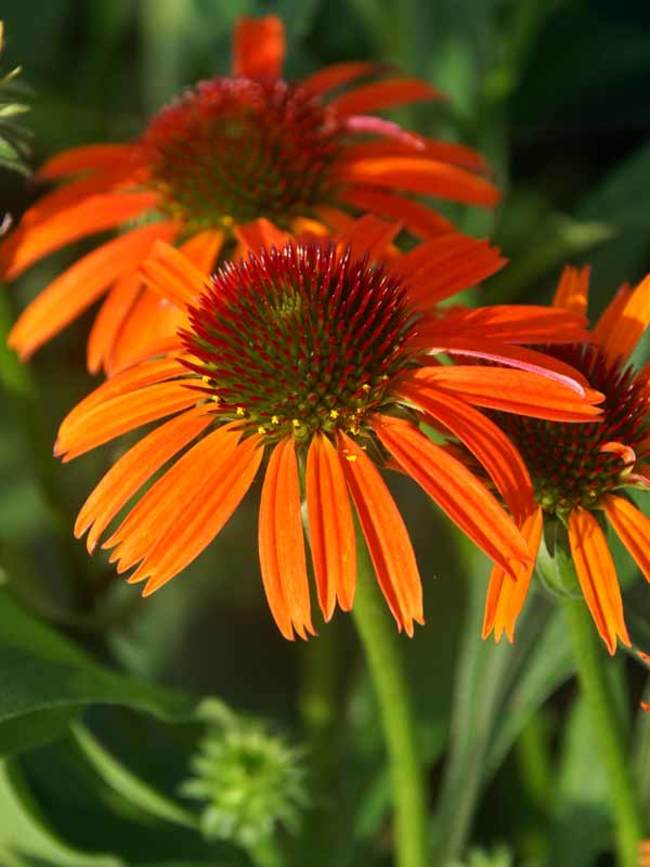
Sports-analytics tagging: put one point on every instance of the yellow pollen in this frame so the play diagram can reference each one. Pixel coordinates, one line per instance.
(240, 411)
(334, 414)
(351, 458)
(275, 419)
(205, 379)
(365, 387)
(227, 221)
(261, 429)
(295, 422)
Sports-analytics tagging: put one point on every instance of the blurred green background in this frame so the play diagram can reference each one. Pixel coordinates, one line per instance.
(555, 94)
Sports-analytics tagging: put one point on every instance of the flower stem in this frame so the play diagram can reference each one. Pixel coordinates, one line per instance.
(601, 702)
(379, 639)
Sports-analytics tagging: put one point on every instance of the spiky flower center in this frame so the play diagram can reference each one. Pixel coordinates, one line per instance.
(232, 150)
(301, 339)
(567, 462)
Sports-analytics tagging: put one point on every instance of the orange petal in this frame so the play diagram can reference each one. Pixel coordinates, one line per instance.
(505, 596)
(387, 93)
(611, 315)
(634, 317)
(385, 534)
(511, 390)
(258, 50)
(133, 469)
(282, 544)
(93, 214)
(331, 528)
(173, 496)
(216, 502)
(78, 287)
(483, 438)
(85, 158)
(572, 291)
(632, 528)
(597, 576)
(455, 489)
(409, 143)
(369, 236)
(260, 234)
(123, 413)
(170, 274)
(338, 74)
(71, 193)
(421, 175)
(420, 220)
(513, 323)
(203, 249)
(110, 318)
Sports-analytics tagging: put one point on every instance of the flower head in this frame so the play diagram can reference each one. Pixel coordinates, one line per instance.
(580, 472)
(226, 152)
(313, 360)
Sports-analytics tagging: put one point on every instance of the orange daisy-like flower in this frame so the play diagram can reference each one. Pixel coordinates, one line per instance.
(580, 472)
(313, 358)
(228, 151)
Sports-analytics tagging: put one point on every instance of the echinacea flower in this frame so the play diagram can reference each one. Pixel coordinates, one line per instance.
(310, 357)
(580, 472)
(228, 151)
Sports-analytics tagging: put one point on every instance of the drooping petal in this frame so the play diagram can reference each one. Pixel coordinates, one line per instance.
(133, 469)
(203, 249)
(259, 47)
(282, 544)
(483, 438)
(217, 502)
(421, 175)
(507, 594)
(597, 576)
(611, 315)
(109, 320)
(121, 414)
(420, 220)
(632, 528)
(634, 317)
(331, 528)
(512, 323)
(78, 287)
(512, 390)
(572, 291)
(93, 214)
(455, 489)
(338, 74)
(386, 536)
(387, 93)
(85, 158)
(260, 234)
(370, 236)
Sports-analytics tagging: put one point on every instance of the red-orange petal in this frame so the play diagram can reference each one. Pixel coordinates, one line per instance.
(387, 93)
(282, 544)
(331, 527)
(634, 317)
(597, 576)
(259, 47)
(170, 274)
(507, 593)
(572, 291)
(386, 536)
(337, 75)
(85, 158)
(78, 287)
(93, 214)
(632, 528)
(260, 234)
(512, 390)
(113, 312)
(421, 221)
(513, 323)
(133, 469)
(421, 175)
(482, 437)
(369, 236)
(609, 319)
(455, 489)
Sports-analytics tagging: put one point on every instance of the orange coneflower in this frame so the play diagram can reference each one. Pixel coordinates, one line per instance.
(312, 358)
(228, 151)
(580, 472)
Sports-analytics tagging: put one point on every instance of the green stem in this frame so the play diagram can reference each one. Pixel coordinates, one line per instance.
(594, 682)
(379, 639)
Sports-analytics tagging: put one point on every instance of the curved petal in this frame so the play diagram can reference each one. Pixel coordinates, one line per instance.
(507, 594)
(623, 335)
(387, 93)
(282, 544)
(455, 489)
(109, 320)
(513, 323)
(93, 214)
(171, 275)
(259, 47)
(78, 287)
(512, 390)
(133, 469)
(85, 158)
(421, 175)
(572, 291)
(597, 576)
(338, 74)
(483, 438)
(260, 234)
(369, 236)
(386, 536)
(331, 528)
(632, 528)
(611, 315)
(420, 220)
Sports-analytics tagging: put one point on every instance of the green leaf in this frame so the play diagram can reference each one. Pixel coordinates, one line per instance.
(44, 673)
(24, 832)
